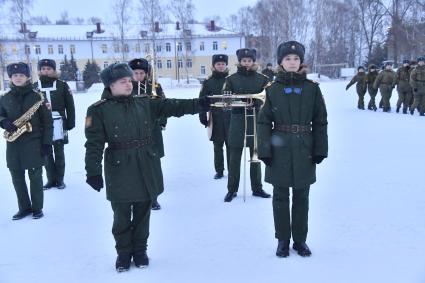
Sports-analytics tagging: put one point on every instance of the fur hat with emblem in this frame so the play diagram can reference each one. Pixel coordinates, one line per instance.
(46, 63)
(290, 47)
(139, 64)
(220, 58)
(246, 53)
(18, 68)
(115, 72)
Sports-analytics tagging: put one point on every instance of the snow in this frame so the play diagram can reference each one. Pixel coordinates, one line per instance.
(366, 211)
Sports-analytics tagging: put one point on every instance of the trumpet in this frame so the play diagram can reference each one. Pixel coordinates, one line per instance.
(151, 58)
(230, 100)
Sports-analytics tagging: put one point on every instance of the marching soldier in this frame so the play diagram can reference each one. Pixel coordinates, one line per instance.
(141, 71)
(292, 140)
(220, 117)
(361, 85)
(268, 71)
(132, 164)
(26, 150)
(417, 81)
(245, 81)
(403, 87)
(59, 97)
(370, 78)
(386, 81)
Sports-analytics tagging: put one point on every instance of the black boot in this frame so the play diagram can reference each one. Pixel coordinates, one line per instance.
(412, 111)
(398, 109)
(422, 114)
(140, 259)
(229, 196)
(60, 185)
(123, 262)
(374, 108)
(302, 249)
(218, 175)
(404, 110)
(49, 185)
(156, 205)
(282, 249)
(261, 193)
(37, 214)
(21, 214)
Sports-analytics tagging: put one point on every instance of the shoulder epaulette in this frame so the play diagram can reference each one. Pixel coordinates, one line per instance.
(99, 102)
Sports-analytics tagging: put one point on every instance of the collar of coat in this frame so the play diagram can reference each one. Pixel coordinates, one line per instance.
(243, 71)
(219, 75)
(25, 89)
(291, 77)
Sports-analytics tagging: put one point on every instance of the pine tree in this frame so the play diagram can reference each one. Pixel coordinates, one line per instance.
(378, 55)
(91, 74)
(66, 70)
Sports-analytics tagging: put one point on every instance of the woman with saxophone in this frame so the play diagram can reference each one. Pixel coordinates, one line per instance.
(292, 139)
(29, 130)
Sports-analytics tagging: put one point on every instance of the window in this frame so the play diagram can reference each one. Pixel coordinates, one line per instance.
(37, 49)
(125, 48)
(105, 64)
(158, 48)
(147, 48)
(60, 49)
(189, 63)
(202, 70)
(168, 47)
(180, 63)
(202, 46)
(27, 49)
(215, 45)
(169, 66)
(14, 49)
(159, 64)
(224, 44)
(50, 49)
(116, 48)
(72, 48)
(137, 48)
(104, 48)
(188, 46)
(179, 46)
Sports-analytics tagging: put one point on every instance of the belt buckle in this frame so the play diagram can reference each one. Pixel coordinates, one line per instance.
(295, 129)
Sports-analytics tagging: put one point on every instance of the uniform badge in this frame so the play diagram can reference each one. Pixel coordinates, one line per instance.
(88, 121)
(293, 47)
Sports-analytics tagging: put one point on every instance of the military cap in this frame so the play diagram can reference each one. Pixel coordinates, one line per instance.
(139, 64)
(46, 63)
(290, 47)
(246, 53)
(115, 72)
(421, 58)
(220, 58)
(18, 68)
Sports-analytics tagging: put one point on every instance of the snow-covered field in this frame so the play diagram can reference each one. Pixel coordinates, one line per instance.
(366, 211)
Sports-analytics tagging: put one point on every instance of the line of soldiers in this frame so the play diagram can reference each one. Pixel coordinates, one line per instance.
(409, 79)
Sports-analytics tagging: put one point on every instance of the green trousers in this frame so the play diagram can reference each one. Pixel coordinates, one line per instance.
(360, 103)
(372, 103)
(36, 186)
(235, 168)
(386, 92)
(285, 222)
(55, 163)
(404, 98)
(419, 101)
(131, 225)
(219, 156)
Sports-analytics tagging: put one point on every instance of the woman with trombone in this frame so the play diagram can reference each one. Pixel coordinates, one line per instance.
(292, 139)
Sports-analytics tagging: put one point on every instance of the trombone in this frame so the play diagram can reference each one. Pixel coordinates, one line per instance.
(151, 59)
(229, 101)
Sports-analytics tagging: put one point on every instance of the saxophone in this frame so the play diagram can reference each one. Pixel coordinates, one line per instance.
(22, 123)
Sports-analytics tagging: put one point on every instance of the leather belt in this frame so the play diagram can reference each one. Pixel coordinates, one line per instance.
(130, 144)
(293, 129)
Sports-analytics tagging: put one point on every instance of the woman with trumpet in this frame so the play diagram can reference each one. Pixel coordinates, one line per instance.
(245, 81)
(292, 139)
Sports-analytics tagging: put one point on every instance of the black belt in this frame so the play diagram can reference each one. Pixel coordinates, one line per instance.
(130, 144)
(293, 129)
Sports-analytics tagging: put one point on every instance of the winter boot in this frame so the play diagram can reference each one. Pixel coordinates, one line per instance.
(156, 205)
(21, 214)
(260, 193)
(49, 185)
(140, 259)
(282, 249)
(398, 109)
(123, 262)
(60, 184)
(302, 249)
(404, 110)
(218, 175)
(37, 214)
(229, 196)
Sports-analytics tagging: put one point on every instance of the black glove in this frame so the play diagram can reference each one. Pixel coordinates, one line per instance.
(317, 159)
(204, 121)
(267, 161)
(204, 103)
(96, 182)
(8, 125)
(46, 150)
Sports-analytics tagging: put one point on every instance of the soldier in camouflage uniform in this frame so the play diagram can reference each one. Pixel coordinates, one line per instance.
(59, 97)
(417, 82)
(370, 78)
(220, 117)
(403, 87)
(386, 81)
(361, 85)
(292, 140)
(268, 71)
(28, 151)
(132, 164)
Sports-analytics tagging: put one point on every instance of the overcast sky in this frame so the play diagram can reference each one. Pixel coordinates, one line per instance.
(102, 8)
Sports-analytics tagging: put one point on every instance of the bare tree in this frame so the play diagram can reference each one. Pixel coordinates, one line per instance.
(122, 10)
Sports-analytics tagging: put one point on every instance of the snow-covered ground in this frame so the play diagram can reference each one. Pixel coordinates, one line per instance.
(366, 211)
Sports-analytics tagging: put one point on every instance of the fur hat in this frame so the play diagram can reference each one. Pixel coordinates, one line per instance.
(47, 63)
(421, 58)
(360, 67)
(18, 68)
(115, 72)
(290, 47)
(406, 61)
(220, 58)
(269, 65)
(372, 66)
(139, 64)
(246, 53)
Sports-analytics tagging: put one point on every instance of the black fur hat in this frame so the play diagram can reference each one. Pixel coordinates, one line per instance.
(290, 47)
(246, 53)
(406, 61)
(139, 64)
(46, 62)
(421, 58)
(360, 67)
(115, 72)
(220, 58)
(18, 68)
